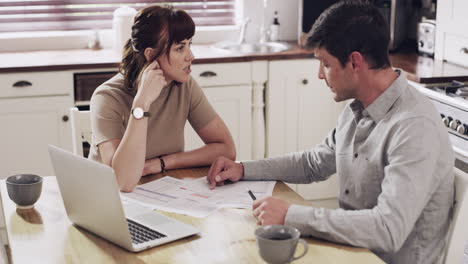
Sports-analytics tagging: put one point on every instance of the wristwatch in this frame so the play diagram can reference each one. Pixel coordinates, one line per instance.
(139, 113)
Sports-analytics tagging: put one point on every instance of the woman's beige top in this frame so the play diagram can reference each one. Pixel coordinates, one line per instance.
(110, 109)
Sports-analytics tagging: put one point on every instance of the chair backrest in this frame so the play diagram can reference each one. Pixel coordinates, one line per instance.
(458, 233)
(81, 129)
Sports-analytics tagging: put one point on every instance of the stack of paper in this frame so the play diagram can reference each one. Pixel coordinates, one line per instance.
(194, 197)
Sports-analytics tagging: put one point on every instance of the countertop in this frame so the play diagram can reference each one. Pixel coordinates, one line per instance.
(423, 69)
(59, 60)
(420, 68)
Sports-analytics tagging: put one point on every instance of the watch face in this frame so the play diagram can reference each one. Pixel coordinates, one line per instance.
(138, 113)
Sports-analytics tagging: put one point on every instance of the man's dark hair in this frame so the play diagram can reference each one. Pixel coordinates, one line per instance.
(349, 26)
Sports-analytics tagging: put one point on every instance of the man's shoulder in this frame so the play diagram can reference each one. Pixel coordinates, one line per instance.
(413, 104)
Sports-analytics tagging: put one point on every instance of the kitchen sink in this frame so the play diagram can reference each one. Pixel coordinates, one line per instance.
(265, 47)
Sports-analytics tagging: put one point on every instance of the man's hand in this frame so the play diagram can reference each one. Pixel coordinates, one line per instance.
(224, 169)
(270, 211)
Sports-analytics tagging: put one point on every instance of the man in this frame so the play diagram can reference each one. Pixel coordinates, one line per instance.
(389, 149)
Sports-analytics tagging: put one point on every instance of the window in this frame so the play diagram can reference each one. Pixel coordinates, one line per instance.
(48, 15)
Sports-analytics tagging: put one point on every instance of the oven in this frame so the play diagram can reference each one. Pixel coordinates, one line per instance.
(84, 84)
(451, 101)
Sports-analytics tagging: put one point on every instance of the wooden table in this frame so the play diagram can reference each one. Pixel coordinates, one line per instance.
(45, 235)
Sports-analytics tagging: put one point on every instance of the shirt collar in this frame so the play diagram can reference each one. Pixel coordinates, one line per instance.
(377, 109)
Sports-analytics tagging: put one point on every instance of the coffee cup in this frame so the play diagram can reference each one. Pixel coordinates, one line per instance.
(24, 189)
(277, 243)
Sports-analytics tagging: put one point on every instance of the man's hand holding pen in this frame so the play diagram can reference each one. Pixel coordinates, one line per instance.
(270, 211)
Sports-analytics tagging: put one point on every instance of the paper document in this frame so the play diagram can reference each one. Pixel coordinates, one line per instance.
(194, 197)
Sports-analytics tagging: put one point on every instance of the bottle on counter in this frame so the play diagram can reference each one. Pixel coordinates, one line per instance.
(274, 28)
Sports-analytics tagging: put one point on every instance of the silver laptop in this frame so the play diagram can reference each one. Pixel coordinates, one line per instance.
(92, 201)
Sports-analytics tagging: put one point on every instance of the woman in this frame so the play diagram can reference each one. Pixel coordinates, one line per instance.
(138, 116)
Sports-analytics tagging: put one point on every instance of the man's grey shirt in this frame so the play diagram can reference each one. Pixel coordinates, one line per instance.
(395, 167)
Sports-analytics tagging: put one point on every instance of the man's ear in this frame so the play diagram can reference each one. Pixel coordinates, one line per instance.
(356, 59)
(149, 53)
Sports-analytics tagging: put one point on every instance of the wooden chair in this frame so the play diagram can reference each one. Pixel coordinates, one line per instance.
(458, 232)
(81, 129)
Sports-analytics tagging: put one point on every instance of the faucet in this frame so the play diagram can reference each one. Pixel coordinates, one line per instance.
(242, 31)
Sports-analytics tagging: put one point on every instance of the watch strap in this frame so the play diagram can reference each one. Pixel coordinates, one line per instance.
(163, 165)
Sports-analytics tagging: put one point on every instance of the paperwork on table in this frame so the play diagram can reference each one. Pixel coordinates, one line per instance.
(194, 197)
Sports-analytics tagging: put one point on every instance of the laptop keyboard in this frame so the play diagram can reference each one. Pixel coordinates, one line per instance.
(141, 233)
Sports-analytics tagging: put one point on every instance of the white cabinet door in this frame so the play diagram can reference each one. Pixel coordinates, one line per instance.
(28, 125)
(234, 105)
(451, 34)
(300, 113)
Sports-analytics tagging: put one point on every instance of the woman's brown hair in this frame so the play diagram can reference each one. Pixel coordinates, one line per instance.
(156, 27)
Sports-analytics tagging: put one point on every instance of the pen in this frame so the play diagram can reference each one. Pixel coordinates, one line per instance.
(251, 195)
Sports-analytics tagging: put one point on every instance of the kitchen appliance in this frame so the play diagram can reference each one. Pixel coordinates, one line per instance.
(84, 85)
(426, 36)
(451, 101)
(309, 11)
(397, 13)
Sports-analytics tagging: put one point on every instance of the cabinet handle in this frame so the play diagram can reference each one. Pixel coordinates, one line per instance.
(305, 81)
(20, 84)
(65, 118)
(208, 74)
(464, 50)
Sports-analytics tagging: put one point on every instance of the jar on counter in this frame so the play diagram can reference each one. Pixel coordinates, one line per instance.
(122, 26)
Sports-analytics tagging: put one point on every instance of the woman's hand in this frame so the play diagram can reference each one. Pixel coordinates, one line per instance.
(151, 83)
(152, 166)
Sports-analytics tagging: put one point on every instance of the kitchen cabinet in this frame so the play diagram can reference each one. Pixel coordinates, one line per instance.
(28, 126)
(300, 112)
(33, 113)
(228, 87)
(233, 105)
(451, 34)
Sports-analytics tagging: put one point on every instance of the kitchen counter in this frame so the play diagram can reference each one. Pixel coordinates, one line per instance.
(59, 60)
(420, 69)
(423, 69)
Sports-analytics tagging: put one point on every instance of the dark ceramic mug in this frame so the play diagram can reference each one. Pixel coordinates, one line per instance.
(24, 189)
(277, 243)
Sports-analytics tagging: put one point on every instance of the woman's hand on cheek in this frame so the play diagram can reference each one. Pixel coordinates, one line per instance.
(151, 83)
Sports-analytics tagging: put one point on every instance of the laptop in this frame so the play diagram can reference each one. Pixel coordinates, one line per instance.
(92, 200)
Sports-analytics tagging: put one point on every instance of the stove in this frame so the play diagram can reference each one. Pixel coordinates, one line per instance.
(451, 100)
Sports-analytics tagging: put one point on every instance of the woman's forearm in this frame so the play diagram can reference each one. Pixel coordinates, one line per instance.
(129, 158)
(202, 156)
